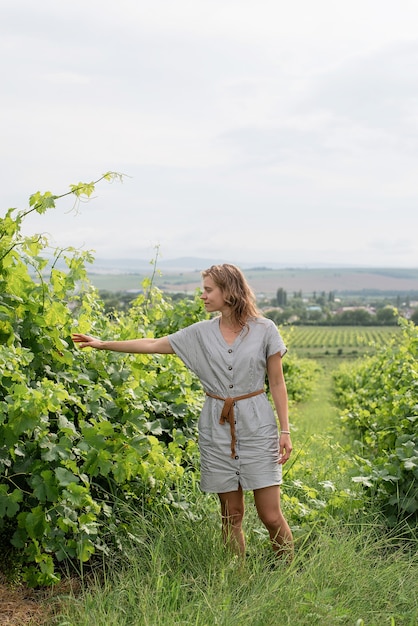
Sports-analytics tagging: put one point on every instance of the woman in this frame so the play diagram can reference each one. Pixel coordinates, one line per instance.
(238, 437)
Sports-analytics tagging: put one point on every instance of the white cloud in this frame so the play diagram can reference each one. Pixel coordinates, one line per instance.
(266, 130)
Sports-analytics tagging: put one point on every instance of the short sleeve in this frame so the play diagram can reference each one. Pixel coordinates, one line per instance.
(188, 344)
(182, 343)
(275, 341)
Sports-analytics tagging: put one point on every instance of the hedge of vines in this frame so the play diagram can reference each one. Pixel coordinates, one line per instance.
(379, 397)
(79, 431)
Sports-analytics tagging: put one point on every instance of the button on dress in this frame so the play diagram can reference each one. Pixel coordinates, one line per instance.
(233, 370)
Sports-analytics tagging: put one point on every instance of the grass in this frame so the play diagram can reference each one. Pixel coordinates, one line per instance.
(174, 571)
(319, 413)
(177, 573)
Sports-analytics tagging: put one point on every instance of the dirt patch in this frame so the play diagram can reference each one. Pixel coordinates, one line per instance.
(19, 605)
(22, 606)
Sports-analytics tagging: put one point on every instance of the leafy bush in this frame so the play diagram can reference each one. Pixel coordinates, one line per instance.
(79, 430)
(379, 396)
(300, 375)
(316, 485)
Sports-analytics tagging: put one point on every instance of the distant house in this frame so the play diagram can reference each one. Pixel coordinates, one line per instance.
(369, 309)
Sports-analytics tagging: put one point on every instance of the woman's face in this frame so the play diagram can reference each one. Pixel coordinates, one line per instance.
(212, 296)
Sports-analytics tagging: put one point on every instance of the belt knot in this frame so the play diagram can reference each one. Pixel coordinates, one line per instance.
(227, 413)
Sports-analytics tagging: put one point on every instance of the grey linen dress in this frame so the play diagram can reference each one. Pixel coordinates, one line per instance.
(233, 370)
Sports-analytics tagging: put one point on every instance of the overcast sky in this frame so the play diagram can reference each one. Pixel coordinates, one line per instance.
(248, 130)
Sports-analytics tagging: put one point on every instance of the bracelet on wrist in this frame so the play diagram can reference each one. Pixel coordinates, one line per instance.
(285, 432)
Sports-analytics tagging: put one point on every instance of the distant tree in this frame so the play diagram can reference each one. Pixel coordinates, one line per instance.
(355, 317)
(278, 317)
(116, 300)
(281, 297)
(387, 316)
(315, 316)
(297, 308)
(414, 317)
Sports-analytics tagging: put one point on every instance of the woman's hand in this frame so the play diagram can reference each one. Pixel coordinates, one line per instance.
(86, 341)
(285, 448)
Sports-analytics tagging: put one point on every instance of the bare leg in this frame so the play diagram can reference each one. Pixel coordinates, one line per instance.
(232, 511)
(267, 502)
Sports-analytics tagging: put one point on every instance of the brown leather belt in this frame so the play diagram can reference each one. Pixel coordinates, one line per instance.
(227, 414)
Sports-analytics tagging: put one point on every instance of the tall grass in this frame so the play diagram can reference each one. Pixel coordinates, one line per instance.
(173, 570)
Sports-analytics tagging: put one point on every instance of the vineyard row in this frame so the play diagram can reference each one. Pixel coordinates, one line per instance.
(338, 337)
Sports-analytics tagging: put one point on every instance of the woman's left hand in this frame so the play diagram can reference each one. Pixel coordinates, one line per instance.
(285, 448)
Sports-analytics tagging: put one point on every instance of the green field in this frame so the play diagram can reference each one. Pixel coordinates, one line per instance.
(338, 341)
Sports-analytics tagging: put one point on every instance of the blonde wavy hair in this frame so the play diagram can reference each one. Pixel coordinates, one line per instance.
(235, 290)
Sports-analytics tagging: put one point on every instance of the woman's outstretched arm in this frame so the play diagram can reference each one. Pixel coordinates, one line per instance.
(133, 346)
